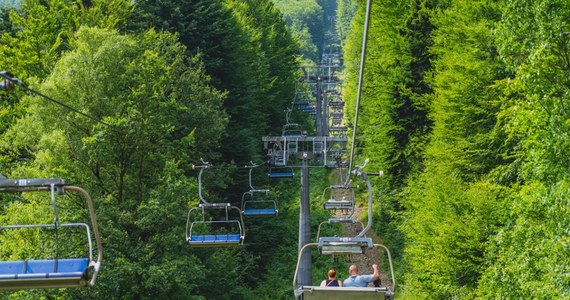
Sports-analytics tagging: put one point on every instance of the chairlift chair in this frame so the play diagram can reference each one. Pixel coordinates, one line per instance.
(262, 207)
(256, 202)
(53, 272)
(204, 228)
(339, 197)
(225, 231)
(329, 245)
(300, 102)
(310, 292)
(293, 130)
(300, 98)
(280, 172)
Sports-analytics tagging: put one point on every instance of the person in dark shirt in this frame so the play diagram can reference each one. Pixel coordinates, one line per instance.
(332, 281)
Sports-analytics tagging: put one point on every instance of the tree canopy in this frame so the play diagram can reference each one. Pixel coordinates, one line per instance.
(464, 106)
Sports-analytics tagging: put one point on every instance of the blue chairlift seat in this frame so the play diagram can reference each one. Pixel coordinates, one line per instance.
(257, 202)
(44, 273)
(300, 102)
(64, 272)
(263, 207)
(280, 173)
(204, 232)
(259, 211)
(215, 239)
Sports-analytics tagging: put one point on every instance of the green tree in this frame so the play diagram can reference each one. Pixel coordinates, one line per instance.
(35, 37)
(527, 257)
(248, 52)
(306, 21)
(346, 10)
(156, 111)
(451, 212)
(393, 124)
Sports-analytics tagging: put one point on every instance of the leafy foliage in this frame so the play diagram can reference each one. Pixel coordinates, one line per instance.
(134, 162)
(306, 20)
(464, 106)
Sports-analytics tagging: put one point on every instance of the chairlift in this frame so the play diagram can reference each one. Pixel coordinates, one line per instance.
(256, 202)
(263, 207)
(205, 227)
(309, 109)
(300, 103)
(339, 197)
(206, 230)
(335, 245)
(310, 292)
(344, 245)
(293, 130)
(62, 270)
(328, 245)
(280, 172)
(338, 128)
(300, 98)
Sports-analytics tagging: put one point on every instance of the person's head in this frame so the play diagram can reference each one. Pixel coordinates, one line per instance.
(332, 273)
(353, 270)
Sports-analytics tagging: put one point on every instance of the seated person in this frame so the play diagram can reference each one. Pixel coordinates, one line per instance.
(356, 280)
(332, 281)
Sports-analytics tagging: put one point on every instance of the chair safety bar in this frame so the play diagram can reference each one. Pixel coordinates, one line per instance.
(344, 245)
(87, 231)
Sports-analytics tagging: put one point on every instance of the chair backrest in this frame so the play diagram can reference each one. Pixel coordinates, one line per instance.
(342, 293)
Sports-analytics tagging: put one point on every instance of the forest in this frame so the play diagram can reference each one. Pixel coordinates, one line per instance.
(465, 107)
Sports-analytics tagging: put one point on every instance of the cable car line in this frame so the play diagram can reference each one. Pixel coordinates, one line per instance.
(8, 77)
(360, 79)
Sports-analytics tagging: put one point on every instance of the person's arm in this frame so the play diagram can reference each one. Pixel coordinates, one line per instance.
(340, 283)
(376, 272)
(323, 283)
